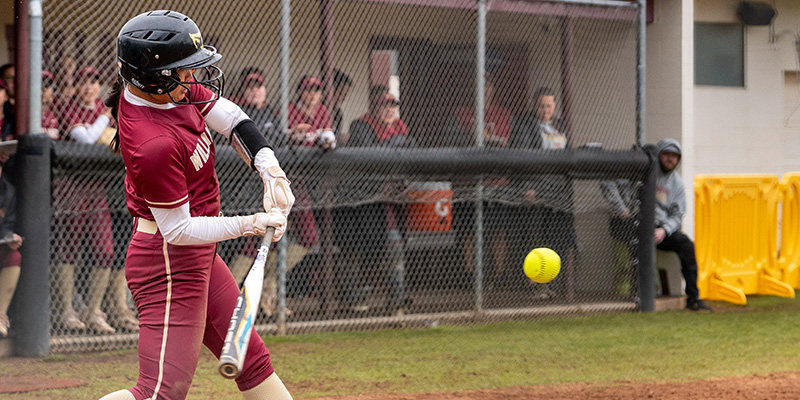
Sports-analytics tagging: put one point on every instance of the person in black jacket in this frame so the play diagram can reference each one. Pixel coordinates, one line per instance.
(547, 213)
(375, 230)
(10, 258)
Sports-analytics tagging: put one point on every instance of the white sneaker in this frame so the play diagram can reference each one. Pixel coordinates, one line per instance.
(125, 319)
(545, 293)
(96, 321)
(4, 325)
(70, 321)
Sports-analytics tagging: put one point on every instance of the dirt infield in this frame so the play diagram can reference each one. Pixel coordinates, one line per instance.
(20, 384)
(755, 387)
(774, 386)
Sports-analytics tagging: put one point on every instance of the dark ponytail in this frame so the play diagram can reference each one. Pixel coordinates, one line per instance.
(112, 101)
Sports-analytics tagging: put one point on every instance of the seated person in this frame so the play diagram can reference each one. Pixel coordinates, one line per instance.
(670, 206)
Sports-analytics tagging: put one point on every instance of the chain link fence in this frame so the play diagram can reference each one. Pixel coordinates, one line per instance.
(422, 214)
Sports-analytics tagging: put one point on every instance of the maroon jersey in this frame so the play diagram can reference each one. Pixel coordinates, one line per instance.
(497, 120)
(75, 114)
(50, 124)
(169, 157)
(383, 131)
(319, 120)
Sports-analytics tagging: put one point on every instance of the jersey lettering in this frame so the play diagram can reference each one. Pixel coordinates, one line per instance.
(201, 151)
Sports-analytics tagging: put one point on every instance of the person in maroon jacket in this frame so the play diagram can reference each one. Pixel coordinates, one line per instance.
(309, 120)
(309, 126)
(82, 211)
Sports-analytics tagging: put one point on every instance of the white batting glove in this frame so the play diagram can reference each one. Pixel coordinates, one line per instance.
(277, 193)
(257, 223)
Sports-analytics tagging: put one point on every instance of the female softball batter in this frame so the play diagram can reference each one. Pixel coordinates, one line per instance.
(183, 291)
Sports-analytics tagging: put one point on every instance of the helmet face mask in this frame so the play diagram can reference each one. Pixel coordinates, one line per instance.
(210, 76)
(153, 46)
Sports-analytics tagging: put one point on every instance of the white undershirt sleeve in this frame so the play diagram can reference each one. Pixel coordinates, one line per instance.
(179, 228)
(224, 116)
(90, 133)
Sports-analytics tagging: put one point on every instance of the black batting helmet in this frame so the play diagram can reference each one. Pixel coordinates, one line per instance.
(151, 47)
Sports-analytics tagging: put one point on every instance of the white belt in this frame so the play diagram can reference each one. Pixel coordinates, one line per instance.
(146, 226)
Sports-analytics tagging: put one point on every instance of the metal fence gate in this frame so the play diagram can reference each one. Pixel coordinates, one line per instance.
(519, 129)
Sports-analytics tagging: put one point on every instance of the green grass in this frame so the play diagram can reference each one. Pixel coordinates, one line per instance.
(668, 346)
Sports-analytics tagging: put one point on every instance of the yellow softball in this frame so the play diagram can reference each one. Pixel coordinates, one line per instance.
(542, 265)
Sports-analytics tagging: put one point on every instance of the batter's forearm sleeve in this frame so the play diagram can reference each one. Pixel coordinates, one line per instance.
(224, 116)
(229, 120)
(179, 228)
(247, 140)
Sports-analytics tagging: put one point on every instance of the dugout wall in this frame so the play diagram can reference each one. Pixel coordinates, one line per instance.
(414, 232)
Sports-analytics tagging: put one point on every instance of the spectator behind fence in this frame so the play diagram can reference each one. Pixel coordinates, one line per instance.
(253, 101)
(82, 216)
(546, 217)
(8, 129)
(670, 207)
(49, 119)
(309, 126)
(621, 197)
(3, 101)
(374, 232)
(496, 132)
(10, 258)
(341, 89)
(65, 79)
(308, 117)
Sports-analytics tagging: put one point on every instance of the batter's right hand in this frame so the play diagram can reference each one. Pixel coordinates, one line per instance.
(257, 224)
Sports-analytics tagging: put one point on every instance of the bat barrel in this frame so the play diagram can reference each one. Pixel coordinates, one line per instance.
(234, 350)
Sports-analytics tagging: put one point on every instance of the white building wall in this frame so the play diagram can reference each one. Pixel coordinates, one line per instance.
(741, 130)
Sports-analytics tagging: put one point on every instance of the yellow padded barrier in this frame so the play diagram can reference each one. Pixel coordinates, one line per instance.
(789, 260)
(736, 219)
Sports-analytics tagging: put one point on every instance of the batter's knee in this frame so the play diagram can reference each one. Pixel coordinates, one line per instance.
(270, 388)
(257, 365)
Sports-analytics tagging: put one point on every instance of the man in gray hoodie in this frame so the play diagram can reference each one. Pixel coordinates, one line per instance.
(670, 207)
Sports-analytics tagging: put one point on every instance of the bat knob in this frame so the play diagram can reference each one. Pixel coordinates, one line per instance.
(229, 371)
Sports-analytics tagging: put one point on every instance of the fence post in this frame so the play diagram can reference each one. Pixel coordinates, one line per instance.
(646, 246)
(480, 77)
(281, 261)
(31, 313)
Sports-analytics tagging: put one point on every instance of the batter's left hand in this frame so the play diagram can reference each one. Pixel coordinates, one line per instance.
(257, 224)
(277, 192)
